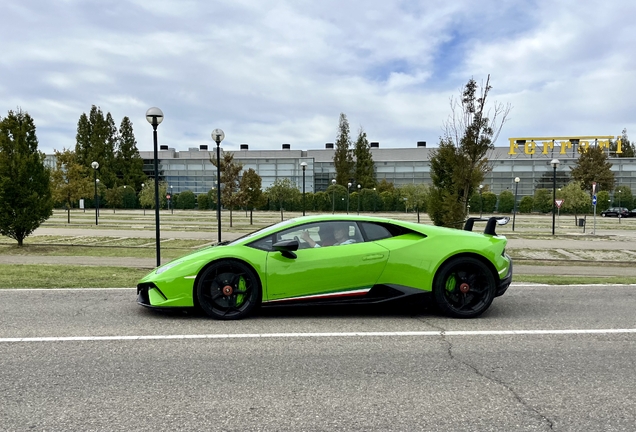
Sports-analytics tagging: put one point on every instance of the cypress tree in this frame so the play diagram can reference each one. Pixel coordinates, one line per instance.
(25, 189)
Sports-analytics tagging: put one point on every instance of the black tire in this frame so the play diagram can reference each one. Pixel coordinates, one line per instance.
(464, 288)
(228, 290)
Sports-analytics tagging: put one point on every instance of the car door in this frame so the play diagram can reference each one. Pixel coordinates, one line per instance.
(328, 269)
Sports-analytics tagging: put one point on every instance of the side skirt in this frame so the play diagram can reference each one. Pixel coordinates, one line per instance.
(377, 294)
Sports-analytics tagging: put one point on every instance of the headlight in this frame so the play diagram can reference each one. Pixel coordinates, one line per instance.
(168, 266)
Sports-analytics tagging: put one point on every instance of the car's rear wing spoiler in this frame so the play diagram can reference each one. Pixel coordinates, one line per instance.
(491, 223)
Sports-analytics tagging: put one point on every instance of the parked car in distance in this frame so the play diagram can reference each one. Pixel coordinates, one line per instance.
(620, 212)
(633, 213)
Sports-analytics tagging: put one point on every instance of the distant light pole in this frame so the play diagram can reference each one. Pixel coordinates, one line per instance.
(620, 216)
(170, 200)
(304, 165)
(359, 198)
(97, 182)
(555, 164)
(95, 165)
(348, 187)
(155, 116)
(217, 136)
(142, 190)
(514, 213)
(333, 197)
(374, 197)
(481, 200)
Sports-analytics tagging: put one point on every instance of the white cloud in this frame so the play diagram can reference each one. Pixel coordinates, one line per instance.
(281, 71)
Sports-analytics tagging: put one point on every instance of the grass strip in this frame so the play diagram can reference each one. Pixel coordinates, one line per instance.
(56, 276)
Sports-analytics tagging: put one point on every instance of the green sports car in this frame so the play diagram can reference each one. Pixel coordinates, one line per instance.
(337, 259)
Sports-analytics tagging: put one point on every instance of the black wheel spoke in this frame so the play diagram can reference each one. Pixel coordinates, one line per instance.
(228, 289)
(471, 284)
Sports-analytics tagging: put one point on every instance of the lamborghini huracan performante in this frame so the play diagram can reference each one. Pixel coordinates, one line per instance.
(337, 259)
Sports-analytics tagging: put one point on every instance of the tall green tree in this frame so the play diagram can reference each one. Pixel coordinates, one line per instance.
(364, 167)
(96, 140)
(623, 197)
(230, 170)
(127, 159)
(416, 197)
(251, 191)
(593, 166)
(575, 199)
(506, 202)
(343, 158)
(283, 190)
(459, 165)
(70, 181)
(25, 183)
(147, 194)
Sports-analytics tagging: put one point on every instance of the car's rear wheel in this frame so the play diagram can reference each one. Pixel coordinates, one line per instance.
(228, 290)
(464, 287)
(602, 214)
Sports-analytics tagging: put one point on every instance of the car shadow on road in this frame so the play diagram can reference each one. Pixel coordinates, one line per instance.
(406, 308)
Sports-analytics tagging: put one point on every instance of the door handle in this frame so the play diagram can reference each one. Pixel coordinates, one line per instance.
(373, 257)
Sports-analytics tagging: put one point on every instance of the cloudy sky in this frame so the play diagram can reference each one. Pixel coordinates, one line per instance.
(269, 72)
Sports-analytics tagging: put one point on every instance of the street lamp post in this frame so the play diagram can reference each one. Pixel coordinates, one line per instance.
(304, 165)
(555, 164)
(514, 212)
(481, 200)
(359, 198)
(155, 116)
(333, 197)
(170, 201)
(348, 187)
(374, 197)
(620, 216)
(97, 207)
(217, 136)
(142, 189)
(95, 165)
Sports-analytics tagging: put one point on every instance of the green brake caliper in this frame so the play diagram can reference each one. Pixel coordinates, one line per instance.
(450, 283)
(241, 287)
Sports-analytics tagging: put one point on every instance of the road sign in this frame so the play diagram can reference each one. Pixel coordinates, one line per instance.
(594, 188)
(168, 196)
(558, 202)
(594, 200)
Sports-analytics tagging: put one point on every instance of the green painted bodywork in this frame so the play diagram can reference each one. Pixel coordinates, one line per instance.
(410, 259)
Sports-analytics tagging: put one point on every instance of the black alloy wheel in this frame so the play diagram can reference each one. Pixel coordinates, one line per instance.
(228, 290)
(464, 287)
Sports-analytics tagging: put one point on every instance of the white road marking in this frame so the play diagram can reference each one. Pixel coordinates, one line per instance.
(323, 335)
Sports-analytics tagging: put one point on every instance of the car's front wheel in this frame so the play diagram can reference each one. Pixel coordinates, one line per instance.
(228, 290)
(464, 287)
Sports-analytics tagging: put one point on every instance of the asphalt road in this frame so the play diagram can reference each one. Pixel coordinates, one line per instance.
(111, 365)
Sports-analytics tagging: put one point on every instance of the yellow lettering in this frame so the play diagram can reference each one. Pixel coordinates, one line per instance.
(547, 146)
(604, 144)
(513, 146)
(565, 145)
(530, 147)
(618, 146)
(584, 146)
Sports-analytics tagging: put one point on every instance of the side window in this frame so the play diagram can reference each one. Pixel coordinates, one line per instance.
(263, 244)
(374, 231)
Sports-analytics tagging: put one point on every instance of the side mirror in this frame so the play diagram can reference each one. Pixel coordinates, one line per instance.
(287, 248)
